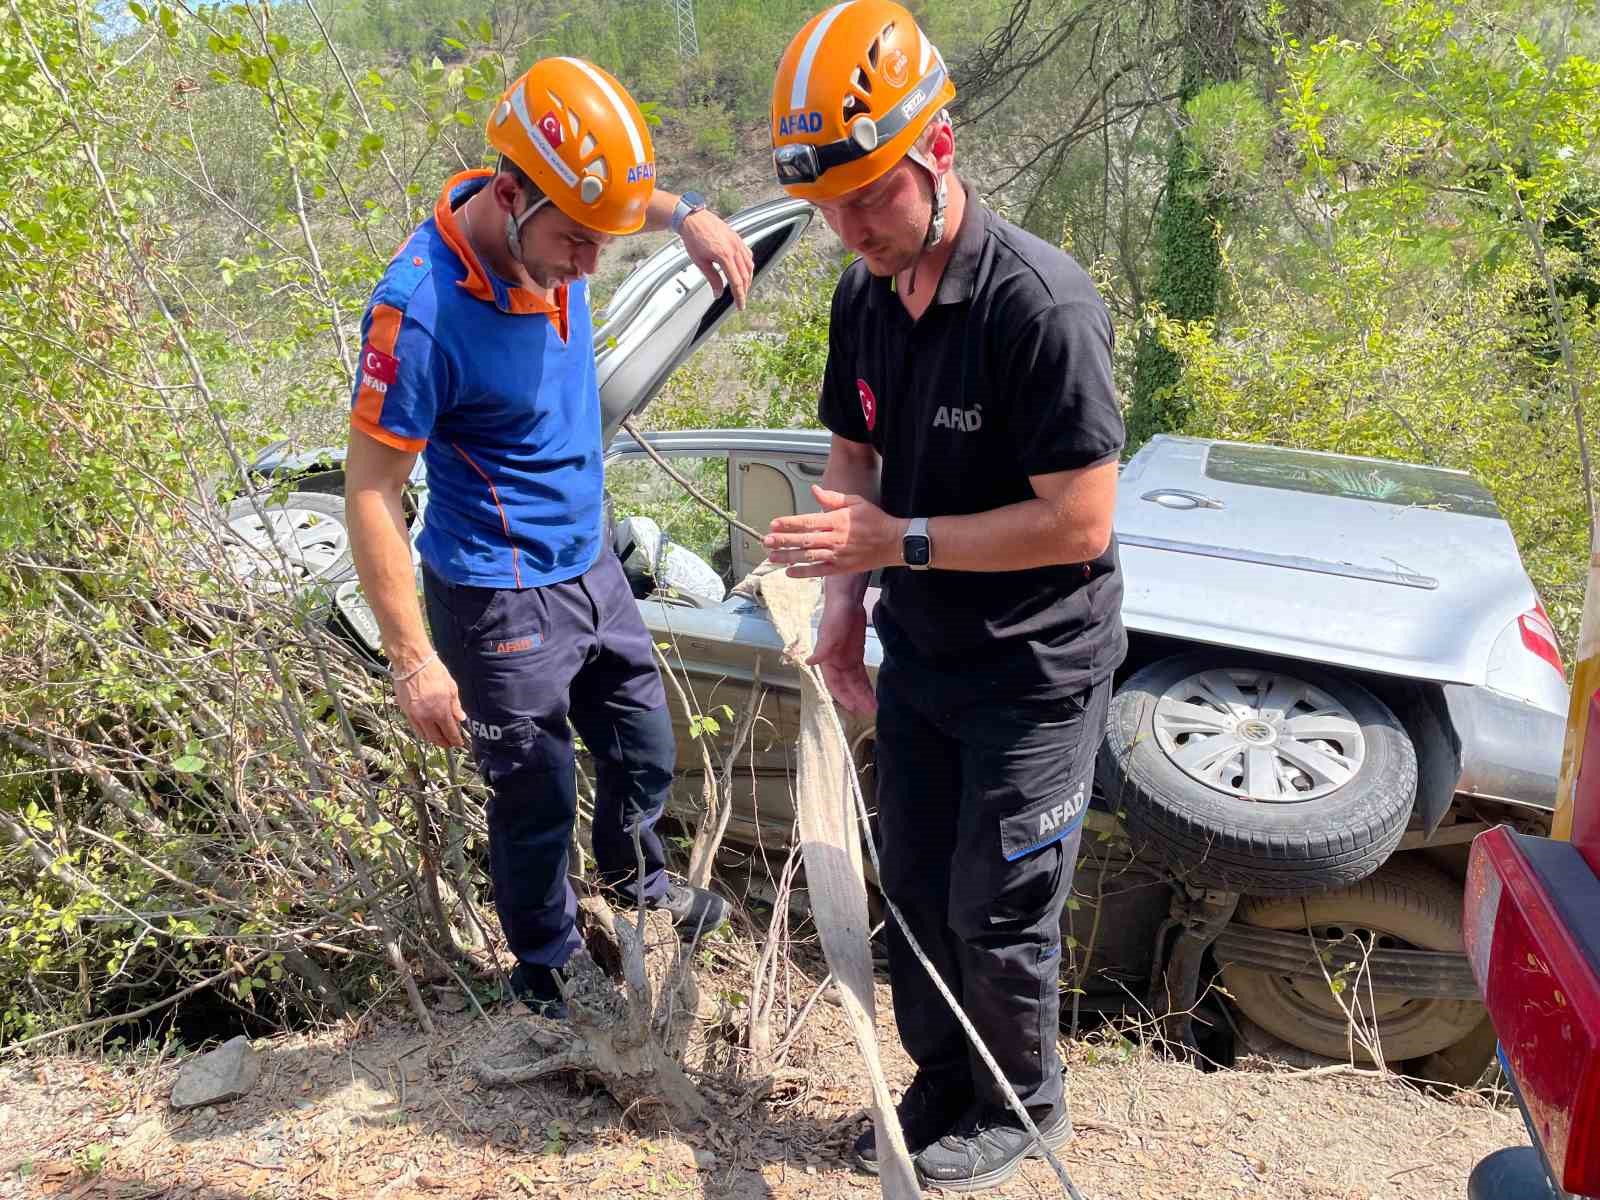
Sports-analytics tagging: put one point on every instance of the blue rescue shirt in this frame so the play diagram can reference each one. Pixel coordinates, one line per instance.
(496, 388)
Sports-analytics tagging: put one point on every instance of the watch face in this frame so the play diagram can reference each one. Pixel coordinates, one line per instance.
(916, 550)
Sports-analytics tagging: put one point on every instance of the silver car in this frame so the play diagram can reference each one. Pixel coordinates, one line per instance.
(1339, 673)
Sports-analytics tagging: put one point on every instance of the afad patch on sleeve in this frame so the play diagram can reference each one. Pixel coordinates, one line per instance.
(379, 367)
(378, 370)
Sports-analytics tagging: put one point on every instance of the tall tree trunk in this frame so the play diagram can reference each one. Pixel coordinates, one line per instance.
(1188, 255)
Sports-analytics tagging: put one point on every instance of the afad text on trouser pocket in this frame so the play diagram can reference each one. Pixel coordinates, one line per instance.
(1044, 823)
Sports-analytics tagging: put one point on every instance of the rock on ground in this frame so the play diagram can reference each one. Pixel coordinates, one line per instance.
(226, 1073)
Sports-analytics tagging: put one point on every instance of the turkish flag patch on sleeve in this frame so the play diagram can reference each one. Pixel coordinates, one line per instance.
(378, 368)
(869, 403)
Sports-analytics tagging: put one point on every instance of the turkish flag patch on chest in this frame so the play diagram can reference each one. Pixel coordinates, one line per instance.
(869, 403)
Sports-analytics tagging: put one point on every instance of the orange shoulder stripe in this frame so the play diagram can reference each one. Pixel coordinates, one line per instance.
(382, 334)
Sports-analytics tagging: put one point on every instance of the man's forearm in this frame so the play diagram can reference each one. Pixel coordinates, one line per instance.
(1031, 533)
(382, 552)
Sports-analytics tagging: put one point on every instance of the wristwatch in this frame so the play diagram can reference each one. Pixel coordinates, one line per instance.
(916, 547)
(688, 204)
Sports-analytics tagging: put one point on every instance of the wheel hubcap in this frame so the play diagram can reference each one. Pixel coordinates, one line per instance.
(289, 547)
(1259, 735)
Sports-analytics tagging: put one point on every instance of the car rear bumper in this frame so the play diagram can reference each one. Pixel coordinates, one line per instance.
(1510, 750)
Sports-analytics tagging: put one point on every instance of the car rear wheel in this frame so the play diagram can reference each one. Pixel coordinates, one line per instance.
(1404, 906)
(1253, 776)
(288, 544)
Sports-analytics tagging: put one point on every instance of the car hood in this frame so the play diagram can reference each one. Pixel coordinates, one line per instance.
(1372, 564)
(665, 310)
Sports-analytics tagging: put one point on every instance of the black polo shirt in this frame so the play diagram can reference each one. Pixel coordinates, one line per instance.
(1006, 375)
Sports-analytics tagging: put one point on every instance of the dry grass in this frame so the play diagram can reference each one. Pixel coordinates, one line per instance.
(388, 1113)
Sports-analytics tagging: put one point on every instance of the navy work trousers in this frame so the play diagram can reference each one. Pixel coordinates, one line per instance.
(980, 813)
(526, 661)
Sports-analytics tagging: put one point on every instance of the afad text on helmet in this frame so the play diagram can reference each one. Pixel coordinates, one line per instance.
(800, 122)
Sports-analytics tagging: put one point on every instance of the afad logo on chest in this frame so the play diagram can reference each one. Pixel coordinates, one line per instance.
(963, 420)
(869, 403)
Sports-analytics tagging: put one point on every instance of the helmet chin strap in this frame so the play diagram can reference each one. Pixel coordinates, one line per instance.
(941, 198)
(514, 228)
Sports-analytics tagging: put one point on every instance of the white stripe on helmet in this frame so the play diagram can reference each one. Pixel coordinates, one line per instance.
(927, 52)
(802, 71)
(617, 103)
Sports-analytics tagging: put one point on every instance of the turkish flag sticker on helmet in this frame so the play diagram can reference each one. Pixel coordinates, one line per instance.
(869, 403)
(551, 128)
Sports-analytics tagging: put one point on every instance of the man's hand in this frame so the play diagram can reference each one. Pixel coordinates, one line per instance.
(841, 651)
(849, 536)
(711, 243)
(432, 704)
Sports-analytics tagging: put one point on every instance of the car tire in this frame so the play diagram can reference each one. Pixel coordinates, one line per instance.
(1184, 731)
(310, 530)
(1467, 1063)
(1255, 1041)
(1514, 1173)
(1404, 906)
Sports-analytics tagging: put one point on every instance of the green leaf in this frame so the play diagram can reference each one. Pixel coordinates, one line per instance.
(188, 764)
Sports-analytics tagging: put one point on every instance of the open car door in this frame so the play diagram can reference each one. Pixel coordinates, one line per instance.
(665, 310)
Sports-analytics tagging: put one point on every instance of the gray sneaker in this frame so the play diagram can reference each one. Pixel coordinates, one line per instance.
(987, 1149)
(694, 911)
(929, 1110)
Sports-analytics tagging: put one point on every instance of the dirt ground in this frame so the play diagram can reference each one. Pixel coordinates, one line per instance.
(386, 1112)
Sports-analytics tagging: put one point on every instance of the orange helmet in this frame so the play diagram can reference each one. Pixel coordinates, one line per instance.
(855, 89)
(576, 132)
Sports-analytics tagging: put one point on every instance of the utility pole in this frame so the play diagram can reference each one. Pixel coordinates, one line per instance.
(688, 36)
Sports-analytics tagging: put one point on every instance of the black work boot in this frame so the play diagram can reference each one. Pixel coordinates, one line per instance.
(987, 1147)
(929, 1110)
(693, 910)
(538, 991)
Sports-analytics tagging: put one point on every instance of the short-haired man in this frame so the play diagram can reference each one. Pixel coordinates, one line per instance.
(477, 352)
(976, 432)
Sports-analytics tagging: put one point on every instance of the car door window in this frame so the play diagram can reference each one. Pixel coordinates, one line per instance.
(640, 488)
